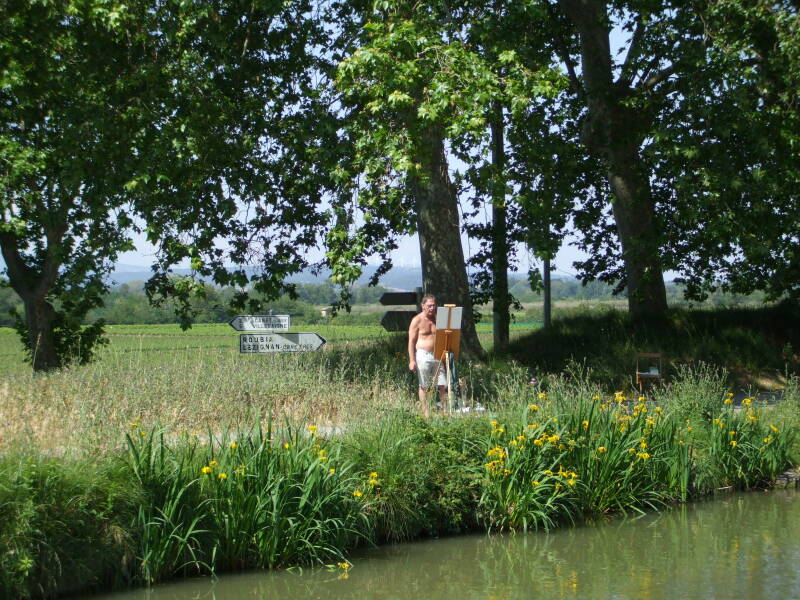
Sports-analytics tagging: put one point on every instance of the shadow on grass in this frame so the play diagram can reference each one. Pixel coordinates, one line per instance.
(743, 340)
(747, 342)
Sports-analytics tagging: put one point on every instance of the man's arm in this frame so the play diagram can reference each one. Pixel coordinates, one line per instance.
(413, 334)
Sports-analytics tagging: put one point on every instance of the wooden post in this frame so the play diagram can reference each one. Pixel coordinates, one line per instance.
(449, 387)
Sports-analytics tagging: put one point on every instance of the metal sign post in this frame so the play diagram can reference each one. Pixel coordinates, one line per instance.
(269, 342)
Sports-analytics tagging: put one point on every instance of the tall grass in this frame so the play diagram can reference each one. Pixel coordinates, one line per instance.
(133, 470)
(262, 499)
(422, 483)
(87, 410)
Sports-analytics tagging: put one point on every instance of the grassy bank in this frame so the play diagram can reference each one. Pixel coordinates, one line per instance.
(164, 503)
(173, 455)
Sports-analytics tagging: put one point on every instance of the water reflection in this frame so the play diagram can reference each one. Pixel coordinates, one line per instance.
(740, 546)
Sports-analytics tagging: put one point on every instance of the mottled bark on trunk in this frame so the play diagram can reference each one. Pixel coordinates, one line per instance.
(33, 286)
(39, 316)
(633, 214)
(614, 132)
(443, 266)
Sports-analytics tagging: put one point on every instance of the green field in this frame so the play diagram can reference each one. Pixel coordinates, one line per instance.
(150, 342)
(196, 380)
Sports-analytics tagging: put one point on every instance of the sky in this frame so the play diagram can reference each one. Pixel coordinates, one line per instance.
(407, 255)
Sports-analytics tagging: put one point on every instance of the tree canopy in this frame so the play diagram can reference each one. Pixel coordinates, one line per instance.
(240, 134)
(192, 121)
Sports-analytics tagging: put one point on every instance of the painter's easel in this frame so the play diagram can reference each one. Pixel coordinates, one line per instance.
(447, 343)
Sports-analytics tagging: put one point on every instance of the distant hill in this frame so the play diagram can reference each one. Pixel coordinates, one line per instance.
(400, 278)
(405, 278)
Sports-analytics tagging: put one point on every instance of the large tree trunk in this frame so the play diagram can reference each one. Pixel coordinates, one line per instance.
(613, 131)
(444, 271)
(32, 286)
(500, 298)
(39, 317)
(633, 214)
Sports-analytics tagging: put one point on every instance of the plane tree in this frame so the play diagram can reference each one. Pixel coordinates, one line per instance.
(427, 83)
(698, 153)
(520, 173)
(403, 99)
(732, 173)
(190, 122)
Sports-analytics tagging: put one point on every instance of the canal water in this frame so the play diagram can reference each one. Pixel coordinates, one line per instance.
(740, 546)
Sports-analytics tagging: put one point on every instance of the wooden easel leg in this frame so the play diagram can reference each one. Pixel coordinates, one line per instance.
(449, 387)
(434, 386)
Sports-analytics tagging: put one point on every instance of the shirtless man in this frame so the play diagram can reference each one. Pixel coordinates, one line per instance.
(421, 334)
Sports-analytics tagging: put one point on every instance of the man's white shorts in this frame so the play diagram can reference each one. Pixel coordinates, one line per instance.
(426, 369)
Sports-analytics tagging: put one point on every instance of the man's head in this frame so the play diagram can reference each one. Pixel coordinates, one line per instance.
(429, 304)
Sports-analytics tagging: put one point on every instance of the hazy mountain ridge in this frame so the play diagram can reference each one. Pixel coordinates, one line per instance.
(401, 278)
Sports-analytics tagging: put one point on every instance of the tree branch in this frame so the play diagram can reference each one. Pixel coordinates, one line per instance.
(563, 54)
(19, 274)
(634, 51)
(647, 85)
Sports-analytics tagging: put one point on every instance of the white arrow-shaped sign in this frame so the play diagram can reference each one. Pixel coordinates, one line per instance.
(265, 343)
(260, 322)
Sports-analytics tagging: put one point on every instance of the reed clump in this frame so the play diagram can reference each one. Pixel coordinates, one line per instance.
(135, 470)
(168, 504)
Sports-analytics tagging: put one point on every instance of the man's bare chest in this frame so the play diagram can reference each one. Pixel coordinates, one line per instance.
(427, 327)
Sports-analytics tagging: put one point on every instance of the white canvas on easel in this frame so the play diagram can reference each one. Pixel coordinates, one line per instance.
(448, 317)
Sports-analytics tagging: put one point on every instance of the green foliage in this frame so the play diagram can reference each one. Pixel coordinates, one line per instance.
(72, 342)
(520, 488)
(179, 504)
(249, 500)
(594, 291)
(66, 527)
(68, 140)
(9, 301)
(740, 179)
(422, 487)
(128, 304)
(740, 449)
(693, 392)
(138, 134)
(567, 456)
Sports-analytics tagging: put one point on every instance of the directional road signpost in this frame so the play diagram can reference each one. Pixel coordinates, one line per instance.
(268, 340)
(260, 322)
(266, 343)
(399, 320)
